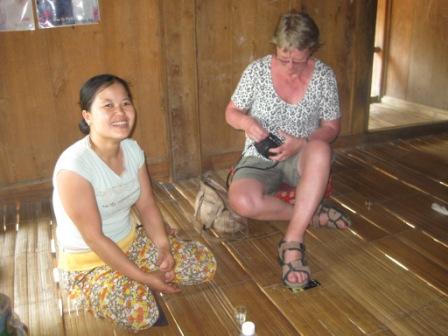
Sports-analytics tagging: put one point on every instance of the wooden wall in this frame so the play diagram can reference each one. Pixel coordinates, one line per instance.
(183, 59)
(233, 33)
(417, 67)
(41, 72)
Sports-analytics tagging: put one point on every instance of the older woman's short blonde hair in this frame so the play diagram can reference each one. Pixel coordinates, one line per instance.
(297, 31)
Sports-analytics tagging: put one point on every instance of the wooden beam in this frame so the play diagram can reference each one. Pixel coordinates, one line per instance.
(179, 45)
(363, 40)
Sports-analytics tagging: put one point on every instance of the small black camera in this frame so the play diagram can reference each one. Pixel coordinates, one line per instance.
(271, 141)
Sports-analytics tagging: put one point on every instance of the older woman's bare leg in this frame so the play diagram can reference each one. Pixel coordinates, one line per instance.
(247, 197)
(314, 169)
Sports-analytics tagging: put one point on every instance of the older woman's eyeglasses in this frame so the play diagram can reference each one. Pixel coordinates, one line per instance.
(293, 61)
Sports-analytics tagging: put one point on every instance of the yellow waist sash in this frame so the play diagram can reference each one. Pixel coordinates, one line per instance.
(83, 261)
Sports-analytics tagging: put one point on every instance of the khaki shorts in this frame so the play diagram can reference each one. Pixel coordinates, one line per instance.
(252, 167)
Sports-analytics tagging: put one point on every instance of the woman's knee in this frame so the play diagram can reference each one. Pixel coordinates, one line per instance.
(195, 263)
(244, 203)
(125, 302)
(319, 147)
(142, 315)
(318, 152)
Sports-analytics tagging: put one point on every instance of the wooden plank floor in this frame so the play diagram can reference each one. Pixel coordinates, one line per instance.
(386, 275)
(388, 115)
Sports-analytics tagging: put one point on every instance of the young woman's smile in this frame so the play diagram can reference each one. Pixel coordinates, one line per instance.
(112, 113)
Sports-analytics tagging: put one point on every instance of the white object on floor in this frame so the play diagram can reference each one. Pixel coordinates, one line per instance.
(248, 329)
(440, 208)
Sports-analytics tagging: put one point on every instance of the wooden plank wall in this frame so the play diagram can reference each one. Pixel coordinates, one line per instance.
(233, 33)
(41, 72)
(417, 69)
(183, 60)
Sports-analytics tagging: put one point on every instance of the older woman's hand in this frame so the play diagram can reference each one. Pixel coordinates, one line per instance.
(291, 146)
(254, 130)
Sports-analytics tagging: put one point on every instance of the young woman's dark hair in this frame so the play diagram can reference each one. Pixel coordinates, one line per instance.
(90, 89)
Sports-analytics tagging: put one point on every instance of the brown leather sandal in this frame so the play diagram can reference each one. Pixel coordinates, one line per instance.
(299, 265)
(335, 215)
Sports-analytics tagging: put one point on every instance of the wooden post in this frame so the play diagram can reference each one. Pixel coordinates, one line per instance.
(179, 47)
(364, 34)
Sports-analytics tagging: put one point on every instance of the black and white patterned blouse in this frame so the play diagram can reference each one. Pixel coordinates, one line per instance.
(255, 93)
